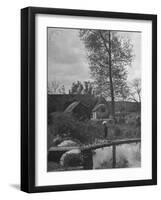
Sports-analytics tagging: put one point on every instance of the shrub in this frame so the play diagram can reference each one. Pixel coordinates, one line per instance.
(66, 126)
(89, 131)
(50, 138)
(117, 131)
(61, 123)
(70, 159)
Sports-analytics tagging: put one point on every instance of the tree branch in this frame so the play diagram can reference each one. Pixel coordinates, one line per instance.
(104, 41)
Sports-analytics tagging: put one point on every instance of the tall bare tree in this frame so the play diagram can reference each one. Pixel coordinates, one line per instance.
(54, 87)
(135, 91)
(108, 54)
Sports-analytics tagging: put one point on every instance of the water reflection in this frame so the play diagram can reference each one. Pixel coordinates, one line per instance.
(127, 155)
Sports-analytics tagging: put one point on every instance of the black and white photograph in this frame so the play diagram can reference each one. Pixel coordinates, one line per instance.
(93, 99)
(89, 99)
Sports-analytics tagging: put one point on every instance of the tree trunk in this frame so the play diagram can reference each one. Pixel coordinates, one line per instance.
(110, 77)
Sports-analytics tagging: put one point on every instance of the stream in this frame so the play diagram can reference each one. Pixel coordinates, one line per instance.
(127, 155)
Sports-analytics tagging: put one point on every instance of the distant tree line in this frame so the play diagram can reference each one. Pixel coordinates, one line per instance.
(130, 92)
(86, 87)
(54, 87)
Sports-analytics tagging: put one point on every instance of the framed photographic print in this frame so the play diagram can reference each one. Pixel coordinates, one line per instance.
(88, 99)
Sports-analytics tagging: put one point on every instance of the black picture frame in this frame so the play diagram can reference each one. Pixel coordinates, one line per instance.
(28, 98)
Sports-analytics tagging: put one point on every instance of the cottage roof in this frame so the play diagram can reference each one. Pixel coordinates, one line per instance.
(101, 100)
(71, 107)
(98, 106)
(58, 103)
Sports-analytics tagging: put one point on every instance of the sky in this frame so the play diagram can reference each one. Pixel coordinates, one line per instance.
(67, 61)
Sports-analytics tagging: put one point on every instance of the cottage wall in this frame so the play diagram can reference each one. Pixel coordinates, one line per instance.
(101, 113)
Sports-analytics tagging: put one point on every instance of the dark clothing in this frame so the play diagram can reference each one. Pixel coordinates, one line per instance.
(106, 131)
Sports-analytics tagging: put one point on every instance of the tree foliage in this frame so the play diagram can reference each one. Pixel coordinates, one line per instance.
(82, 88)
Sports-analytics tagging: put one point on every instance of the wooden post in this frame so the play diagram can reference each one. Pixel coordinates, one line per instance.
(113, 156)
